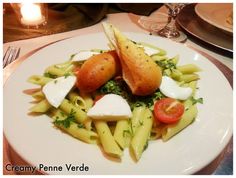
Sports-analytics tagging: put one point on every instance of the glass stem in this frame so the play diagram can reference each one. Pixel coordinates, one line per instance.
(170, 29)
(171, 21)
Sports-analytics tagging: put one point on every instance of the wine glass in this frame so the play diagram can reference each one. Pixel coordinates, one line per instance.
(170, 30)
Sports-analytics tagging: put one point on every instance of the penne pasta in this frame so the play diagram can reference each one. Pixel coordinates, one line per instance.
(77, 100)
(41, 107)
(87, 99)
(137, 117)
(188, 68)
(39, 80)
(60, 69)
(122, 133)
(107, 140)
(189, 77)
(193, 85)
(74, 129)
(140, 139)
(176, 74)
(82, 134)
(38, 95)
(67, 107)
(172, 129)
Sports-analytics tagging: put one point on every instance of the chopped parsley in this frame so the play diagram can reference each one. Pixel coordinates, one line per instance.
(145, 146)
(81, 126)
(147, 101)
(127, 133)
(111, 86)
(140, 123)
(67, 121)
(47, 74)
(67, 74)
(72, 56)
(194, 101)
(166, 64)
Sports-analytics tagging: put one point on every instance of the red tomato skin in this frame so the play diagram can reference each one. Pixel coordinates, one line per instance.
(97, 97)
(168, 117)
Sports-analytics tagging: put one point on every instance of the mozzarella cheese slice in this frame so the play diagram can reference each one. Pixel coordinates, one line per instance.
(149, 51)
(56, 90)
(110, 107)
(171, 89)
(83, 55)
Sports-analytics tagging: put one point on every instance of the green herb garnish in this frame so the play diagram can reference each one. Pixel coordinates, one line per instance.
(72, 56)
(81, 126)
(47, 74)
(67, 121)
(127, 133)
(166, 64)
(140, 123)
(194, 101)
(111, 87)
(67, 74)
(145, 146)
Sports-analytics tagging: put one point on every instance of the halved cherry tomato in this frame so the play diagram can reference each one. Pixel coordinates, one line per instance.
(97, 97)
(168, 110)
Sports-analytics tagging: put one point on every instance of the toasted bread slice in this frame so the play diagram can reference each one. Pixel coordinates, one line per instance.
(140, 72)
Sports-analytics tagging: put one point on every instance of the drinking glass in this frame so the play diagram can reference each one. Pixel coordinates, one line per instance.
(170, 30)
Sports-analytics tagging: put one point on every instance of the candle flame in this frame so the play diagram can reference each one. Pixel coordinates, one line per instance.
(30, 12)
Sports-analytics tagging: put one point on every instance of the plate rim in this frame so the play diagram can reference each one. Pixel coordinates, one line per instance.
(208, 20)
(197, 35)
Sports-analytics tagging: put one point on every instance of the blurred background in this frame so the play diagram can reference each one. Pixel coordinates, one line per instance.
(64, 17)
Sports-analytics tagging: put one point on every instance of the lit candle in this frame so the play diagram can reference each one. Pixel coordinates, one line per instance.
(31, 14)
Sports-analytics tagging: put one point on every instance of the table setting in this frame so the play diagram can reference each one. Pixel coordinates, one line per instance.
(47, 47)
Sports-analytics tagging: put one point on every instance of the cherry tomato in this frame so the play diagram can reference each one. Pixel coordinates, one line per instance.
(168, 110)
(97, 97)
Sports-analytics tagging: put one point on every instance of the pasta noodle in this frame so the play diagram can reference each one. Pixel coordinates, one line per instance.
(138, 114)
(74, 130)
(77, 100)
(140, 139)
(41, 107)
(108, 142)
(188, 68)
(122, 133)
(60, 69)
(38, 95)
(39, 80)
(172, 129)
(67, 107)
(189, 77)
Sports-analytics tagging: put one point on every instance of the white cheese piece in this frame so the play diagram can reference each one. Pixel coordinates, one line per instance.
(110, 107)
(83, 55)
(56, 90)
(171, 89)
(149, 51)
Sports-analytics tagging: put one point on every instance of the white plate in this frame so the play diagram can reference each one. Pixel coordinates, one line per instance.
(35, 139)
(216, 14)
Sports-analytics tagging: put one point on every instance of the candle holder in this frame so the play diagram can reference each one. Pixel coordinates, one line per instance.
(31, 15)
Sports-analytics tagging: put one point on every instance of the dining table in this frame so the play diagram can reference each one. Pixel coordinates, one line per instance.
(127, 22)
